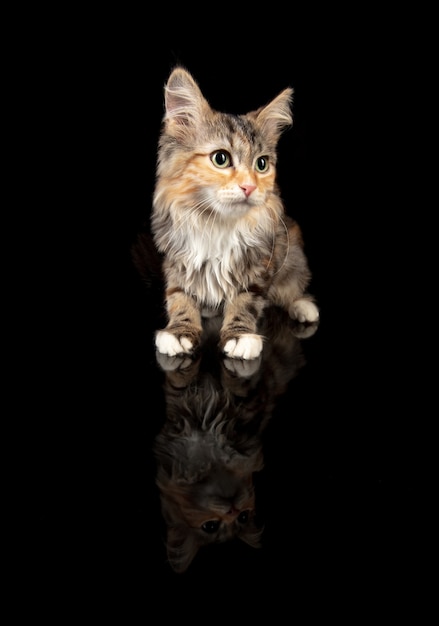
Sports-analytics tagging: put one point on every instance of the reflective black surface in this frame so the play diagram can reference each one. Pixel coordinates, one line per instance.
(336, 457)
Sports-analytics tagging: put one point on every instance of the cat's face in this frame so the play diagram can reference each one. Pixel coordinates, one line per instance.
(217, 162)
(222, 176)
(217, 508)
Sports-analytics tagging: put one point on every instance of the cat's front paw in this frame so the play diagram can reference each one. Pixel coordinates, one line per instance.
(304, 331)
(172, 363)
(169, 344)
(246, 346)
(243, 368)
(304, 310)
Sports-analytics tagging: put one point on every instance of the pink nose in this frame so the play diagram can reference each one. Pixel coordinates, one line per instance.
(232, 512)
(248, 189)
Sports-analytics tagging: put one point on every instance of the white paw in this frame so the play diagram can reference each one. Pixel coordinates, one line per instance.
(243, 368)
(304, 331)
(172, 363)
(169, 344)
(304, 311)
(245, 347)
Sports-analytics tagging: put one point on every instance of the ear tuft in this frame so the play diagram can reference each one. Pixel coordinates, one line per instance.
(276, 116)
(181, 547)
(185, 105)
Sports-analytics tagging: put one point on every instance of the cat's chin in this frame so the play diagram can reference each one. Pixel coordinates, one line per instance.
(234, 211)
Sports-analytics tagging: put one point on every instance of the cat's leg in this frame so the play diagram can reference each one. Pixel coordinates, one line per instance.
(288, 292)
(290, 283)
(300, 308)
(239, 338)
(183, 332)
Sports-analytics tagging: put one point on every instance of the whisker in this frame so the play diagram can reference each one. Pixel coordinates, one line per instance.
(214, 219)
(273, 239)
(273, 222)
(189, 214)
(288, 246)
(181, 219)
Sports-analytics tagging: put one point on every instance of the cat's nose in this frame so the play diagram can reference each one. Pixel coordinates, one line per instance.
(233, 512)
(248, 189)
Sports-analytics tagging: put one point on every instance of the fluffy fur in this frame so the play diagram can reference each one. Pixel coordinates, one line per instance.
(211, 445)
(218, 220)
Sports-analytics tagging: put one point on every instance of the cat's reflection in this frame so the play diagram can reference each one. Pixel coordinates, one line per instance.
(210, 447)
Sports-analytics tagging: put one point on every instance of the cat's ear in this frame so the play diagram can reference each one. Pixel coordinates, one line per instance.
(252, 535)
(185, 105)
(276, 116)
(181, 547)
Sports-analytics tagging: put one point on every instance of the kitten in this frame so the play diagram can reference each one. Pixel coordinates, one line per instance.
(210, 447)
(218, 220)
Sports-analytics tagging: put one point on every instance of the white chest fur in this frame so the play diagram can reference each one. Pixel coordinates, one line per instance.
(213, 267)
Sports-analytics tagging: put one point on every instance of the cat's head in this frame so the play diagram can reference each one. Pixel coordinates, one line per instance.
(207, 495)
(217, 162)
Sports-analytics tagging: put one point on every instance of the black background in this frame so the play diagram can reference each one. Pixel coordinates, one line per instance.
(341, 480)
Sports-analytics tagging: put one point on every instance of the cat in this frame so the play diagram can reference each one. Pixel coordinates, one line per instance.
(218, 220)
(210, 447)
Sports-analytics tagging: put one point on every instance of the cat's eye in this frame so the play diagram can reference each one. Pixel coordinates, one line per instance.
(262, 164)
(221, 159)
(211, 526)
(243, 517)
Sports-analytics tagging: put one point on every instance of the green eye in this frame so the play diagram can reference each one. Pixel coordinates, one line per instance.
(221, 159)
(262, 164)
